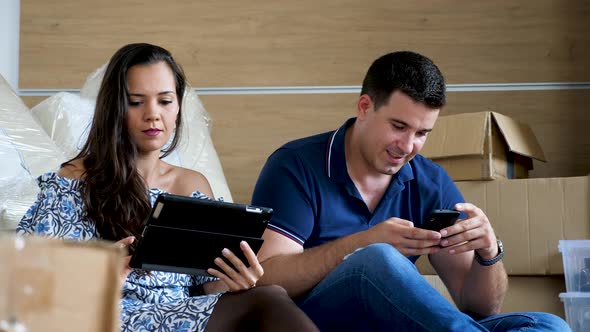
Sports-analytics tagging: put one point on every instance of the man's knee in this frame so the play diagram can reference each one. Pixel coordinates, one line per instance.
(379, 260)
(382, 253)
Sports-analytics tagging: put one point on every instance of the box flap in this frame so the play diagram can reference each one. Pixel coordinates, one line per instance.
(457, 135)
(519, 137)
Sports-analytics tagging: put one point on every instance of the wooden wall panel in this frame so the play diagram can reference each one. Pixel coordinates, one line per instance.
(247, 128)
(329, 42)
(308, 42)
(31, 101)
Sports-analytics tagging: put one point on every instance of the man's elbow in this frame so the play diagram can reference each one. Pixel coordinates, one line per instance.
(491, 310)
(482, 310)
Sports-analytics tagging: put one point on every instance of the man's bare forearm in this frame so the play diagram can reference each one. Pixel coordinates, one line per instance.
(300, 272)
(484, 289)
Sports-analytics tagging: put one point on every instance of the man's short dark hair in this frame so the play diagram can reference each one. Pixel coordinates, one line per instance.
(409, 72)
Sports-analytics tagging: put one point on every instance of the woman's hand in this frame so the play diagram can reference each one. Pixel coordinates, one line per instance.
(239, 277)
(124, 243)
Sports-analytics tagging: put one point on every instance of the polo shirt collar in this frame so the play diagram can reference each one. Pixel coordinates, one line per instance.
(336, 160)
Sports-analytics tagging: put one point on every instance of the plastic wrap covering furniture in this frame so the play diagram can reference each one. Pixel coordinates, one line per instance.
(26, 151)
(66, 117)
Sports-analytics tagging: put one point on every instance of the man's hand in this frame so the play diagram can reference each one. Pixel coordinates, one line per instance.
(406, 238)
(473, 233)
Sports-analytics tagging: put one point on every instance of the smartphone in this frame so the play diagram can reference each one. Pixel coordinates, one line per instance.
(440, 219)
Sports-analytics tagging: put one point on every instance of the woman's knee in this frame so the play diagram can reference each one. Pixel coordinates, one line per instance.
(271, 302)
(269, 291)
(234, 309)
(269, 295)
(273, 310)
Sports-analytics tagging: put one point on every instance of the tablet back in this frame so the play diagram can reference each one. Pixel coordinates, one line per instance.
(209, 216)
(185, 235)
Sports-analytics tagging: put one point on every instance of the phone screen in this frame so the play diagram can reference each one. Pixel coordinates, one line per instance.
(440, 219)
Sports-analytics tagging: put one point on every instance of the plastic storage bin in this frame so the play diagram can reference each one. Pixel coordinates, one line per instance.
(576, 264)
(577, 310)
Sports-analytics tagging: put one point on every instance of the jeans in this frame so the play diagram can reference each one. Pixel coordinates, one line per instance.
(378, 289)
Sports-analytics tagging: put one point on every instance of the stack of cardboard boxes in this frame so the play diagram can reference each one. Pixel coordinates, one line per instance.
(489, 155)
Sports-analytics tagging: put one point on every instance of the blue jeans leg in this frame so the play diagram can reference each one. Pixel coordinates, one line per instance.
(378, 289)
(525, 321)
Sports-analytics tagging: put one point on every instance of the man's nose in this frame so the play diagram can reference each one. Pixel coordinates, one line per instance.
(406, 143)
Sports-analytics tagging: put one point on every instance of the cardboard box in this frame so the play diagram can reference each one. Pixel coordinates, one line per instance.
(483, 146)
(524, 293)
(531, 216)
(51, 285)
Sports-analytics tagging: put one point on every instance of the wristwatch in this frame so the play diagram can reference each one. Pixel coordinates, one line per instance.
(494, 260)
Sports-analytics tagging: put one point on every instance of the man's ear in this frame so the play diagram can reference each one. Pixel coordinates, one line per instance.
(363, 106)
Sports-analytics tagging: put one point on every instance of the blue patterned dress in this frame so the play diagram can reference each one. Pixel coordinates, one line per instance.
(158, 301)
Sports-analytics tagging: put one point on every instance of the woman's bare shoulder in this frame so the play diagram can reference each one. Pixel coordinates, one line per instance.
(73, 169)
(186, 181)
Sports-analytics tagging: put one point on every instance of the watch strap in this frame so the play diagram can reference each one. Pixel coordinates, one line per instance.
(488, 262)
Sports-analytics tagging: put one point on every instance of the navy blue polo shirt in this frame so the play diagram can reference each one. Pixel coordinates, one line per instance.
(315, 201)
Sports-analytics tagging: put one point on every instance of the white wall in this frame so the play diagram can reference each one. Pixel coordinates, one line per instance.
(9, 37)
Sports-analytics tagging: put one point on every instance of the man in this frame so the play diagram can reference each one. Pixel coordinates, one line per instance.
(348, 208)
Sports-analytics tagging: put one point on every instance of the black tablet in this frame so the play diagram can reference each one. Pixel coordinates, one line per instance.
(185, 234)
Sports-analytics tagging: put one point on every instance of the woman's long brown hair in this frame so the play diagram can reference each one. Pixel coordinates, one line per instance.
(114, 193)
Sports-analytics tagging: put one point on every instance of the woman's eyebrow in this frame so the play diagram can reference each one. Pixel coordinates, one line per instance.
(142, 95)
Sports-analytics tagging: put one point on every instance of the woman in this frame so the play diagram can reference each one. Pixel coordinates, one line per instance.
(107, 191)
